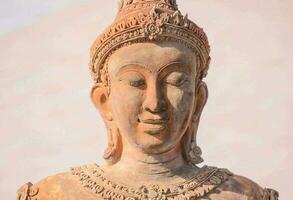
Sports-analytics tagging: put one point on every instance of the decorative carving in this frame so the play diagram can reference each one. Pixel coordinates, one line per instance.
(132, 4)
(152, 112)
(270, 194)
(27, 192)
(148, 20)
(195, 153)
(206, 180)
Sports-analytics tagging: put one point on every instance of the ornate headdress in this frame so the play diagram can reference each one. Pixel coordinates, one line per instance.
(146, 21)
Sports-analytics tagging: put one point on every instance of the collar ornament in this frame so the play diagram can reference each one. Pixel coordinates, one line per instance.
(208, 178)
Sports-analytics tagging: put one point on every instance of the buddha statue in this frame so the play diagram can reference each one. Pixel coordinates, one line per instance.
(148, 69)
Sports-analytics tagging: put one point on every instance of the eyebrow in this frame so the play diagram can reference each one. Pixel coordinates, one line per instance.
(140, 65)
(171, 65)
(135, 64)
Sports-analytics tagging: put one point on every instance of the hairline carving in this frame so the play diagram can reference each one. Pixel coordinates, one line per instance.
(104, 79)
(148, 21)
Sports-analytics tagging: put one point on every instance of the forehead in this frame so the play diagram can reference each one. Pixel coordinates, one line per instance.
(152, 56)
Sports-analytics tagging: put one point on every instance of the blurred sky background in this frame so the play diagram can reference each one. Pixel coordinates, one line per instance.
(48, 124)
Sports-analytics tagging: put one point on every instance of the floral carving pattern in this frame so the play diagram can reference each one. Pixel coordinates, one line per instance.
(148, 20)
(270, 194)
(27, 192)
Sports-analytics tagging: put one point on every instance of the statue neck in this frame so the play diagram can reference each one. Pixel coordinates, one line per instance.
(167, 166)
(162, 163)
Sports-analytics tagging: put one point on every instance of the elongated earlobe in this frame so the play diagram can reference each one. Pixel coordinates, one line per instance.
(100, 98)
(113, 151)
(192, 152)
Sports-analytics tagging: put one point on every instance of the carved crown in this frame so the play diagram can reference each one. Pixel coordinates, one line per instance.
(126, 3)
(148, 21)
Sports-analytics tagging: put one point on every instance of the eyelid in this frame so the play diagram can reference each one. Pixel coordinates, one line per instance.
(133, 79)
(137, 83)
(177, 79)
(176, 74)
(180, 83)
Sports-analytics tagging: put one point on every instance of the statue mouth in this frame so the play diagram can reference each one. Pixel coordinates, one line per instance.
(153, 126)
(154, 121)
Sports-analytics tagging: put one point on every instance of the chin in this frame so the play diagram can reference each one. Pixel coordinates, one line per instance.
(152, 145)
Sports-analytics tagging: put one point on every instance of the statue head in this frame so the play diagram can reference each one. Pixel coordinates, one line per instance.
(148, 69)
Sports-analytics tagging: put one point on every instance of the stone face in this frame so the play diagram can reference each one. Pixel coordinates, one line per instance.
(148, 71)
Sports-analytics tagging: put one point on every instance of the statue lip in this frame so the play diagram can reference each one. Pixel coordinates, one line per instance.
(153, 126)
(154, 121)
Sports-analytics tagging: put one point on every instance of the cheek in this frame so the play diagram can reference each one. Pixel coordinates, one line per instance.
(126, 102)
(180, 100)
(181, 106)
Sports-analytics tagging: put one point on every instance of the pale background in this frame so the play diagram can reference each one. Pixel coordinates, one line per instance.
(48, 124)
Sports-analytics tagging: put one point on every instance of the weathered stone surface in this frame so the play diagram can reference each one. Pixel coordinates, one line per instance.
(148, 69)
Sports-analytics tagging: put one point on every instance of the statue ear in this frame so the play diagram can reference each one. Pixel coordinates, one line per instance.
(100, 98)
(192, 151)
(200, 100)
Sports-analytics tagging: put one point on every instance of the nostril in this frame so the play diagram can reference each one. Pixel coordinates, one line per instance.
(155, 104)
(157, 109)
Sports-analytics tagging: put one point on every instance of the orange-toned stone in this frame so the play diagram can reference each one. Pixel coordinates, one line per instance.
(148, 69)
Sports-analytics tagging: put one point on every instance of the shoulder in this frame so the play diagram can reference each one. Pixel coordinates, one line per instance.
(61, 186)
(51, 187)
(241, 188)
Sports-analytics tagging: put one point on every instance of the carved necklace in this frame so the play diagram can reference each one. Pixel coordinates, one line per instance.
(92, 177)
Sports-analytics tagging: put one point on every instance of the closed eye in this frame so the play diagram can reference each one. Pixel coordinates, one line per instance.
(176, 79)
(137, 83)
(133, 79)
(176, 83)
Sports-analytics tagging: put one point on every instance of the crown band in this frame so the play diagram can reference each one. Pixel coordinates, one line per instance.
(148, 21)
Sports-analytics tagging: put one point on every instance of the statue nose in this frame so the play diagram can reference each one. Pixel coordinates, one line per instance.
(155, 101)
